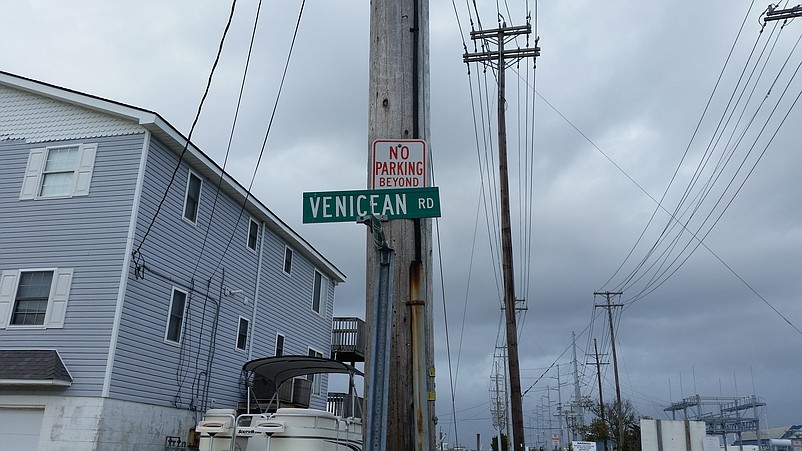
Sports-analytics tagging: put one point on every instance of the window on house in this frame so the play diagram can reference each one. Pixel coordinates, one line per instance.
(33, 293)
(242, 333)
(279, 345)
(287, 260)
(319, 290)
(315, 378)
(253, 234)
(62, 171)
(175, 318)
(34, 298)
(192, 199)
(57, 177)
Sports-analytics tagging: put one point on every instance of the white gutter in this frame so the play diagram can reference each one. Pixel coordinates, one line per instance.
(256, 291)
(39, 382)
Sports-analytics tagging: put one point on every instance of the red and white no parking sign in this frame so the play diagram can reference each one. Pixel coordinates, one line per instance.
(399, 163)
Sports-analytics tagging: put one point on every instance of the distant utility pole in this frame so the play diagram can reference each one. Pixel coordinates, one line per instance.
(601, 399)
(580, 412)
(560, 406)
(608, 295)
(398, 109)
(501, 58)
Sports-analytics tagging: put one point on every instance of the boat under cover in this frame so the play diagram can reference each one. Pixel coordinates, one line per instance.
(286, 429)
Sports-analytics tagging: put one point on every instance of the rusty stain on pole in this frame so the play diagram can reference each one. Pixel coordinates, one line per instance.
(417, 306)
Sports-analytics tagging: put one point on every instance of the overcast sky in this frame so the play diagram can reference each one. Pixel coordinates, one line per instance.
(621, 88)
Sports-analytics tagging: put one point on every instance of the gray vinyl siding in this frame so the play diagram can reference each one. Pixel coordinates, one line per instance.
(289, 307)
(175, 374)
(88, 234)
(85, 233)
(172, 253)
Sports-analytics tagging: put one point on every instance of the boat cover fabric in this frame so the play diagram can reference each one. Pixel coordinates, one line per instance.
(282, 368)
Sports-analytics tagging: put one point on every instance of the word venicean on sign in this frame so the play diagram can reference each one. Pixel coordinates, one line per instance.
(362, 205)
(392, 203)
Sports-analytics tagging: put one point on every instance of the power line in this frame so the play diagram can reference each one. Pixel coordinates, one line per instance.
(267, 131)
(191, 129)
(230, 138)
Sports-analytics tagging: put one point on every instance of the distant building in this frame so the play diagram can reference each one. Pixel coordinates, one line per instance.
(134, 281)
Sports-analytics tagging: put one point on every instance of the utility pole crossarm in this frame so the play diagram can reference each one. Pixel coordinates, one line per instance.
(781, 14)
(490, 57)
(499, 37)
(506, 31)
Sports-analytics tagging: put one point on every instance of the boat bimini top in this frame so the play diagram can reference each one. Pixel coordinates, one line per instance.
(282, 368)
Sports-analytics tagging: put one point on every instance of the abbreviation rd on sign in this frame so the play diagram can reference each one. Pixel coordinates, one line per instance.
(346, 206)
(399, 163)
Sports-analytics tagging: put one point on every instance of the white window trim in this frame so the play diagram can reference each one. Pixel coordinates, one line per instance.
(284, 260)
(247, 335)
(248, 236)
(34, 172)
(183, 317)
(283, 344)
(323, 291)
(57, 300)
(190, 174)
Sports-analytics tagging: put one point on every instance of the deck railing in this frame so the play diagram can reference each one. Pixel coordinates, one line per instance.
(341, 404)
(348, 339)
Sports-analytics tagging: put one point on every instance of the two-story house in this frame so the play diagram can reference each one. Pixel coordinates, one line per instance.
(136, 277)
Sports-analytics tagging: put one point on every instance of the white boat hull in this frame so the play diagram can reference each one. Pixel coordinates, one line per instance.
(289, 429)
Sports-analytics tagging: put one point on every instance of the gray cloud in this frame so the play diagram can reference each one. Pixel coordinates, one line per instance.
(633, 77)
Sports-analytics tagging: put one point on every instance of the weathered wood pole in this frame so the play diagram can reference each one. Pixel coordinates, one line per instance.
(398, 108)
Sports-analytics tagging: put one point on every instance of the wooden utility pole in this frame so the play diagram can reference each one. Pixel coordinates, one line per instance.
(579, 413)
(601, 399)
(608, 295)
(500, 59)
(398, 108)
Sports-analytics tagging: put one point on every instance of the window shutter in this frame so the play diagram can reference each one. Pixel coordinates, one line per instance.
(30, 183)
(8, 288)
(62, 279)
(85, 166)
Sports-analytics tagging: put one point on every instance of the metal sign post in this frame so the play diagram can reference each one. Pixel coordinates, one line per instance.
(378, 372)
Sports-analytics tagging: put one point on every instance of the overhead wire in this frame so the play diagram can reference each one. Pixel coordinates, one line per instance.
(666, 271)
(454, 375)
(530, 190)
(451, 373)
(674, 221)
(230, 136)
(191, 130)
(659, 204)
(732, 179)
(797, 329)
(487, 187)
(267, 131)
(468, 287)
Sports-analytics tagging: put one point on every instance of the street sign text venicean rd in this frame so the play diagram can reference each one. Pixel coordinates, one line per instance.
(346, 206)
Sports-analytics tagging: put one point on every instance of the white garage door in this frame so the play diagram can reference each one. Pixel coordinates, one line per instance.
(19, 428)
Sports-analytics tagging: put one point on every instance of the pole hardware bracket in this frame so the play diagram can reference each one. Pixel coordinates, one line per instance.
(375, 224)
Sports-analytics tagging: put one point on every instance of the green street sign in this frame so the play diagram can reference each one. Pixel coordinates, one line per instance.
(347, 206)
